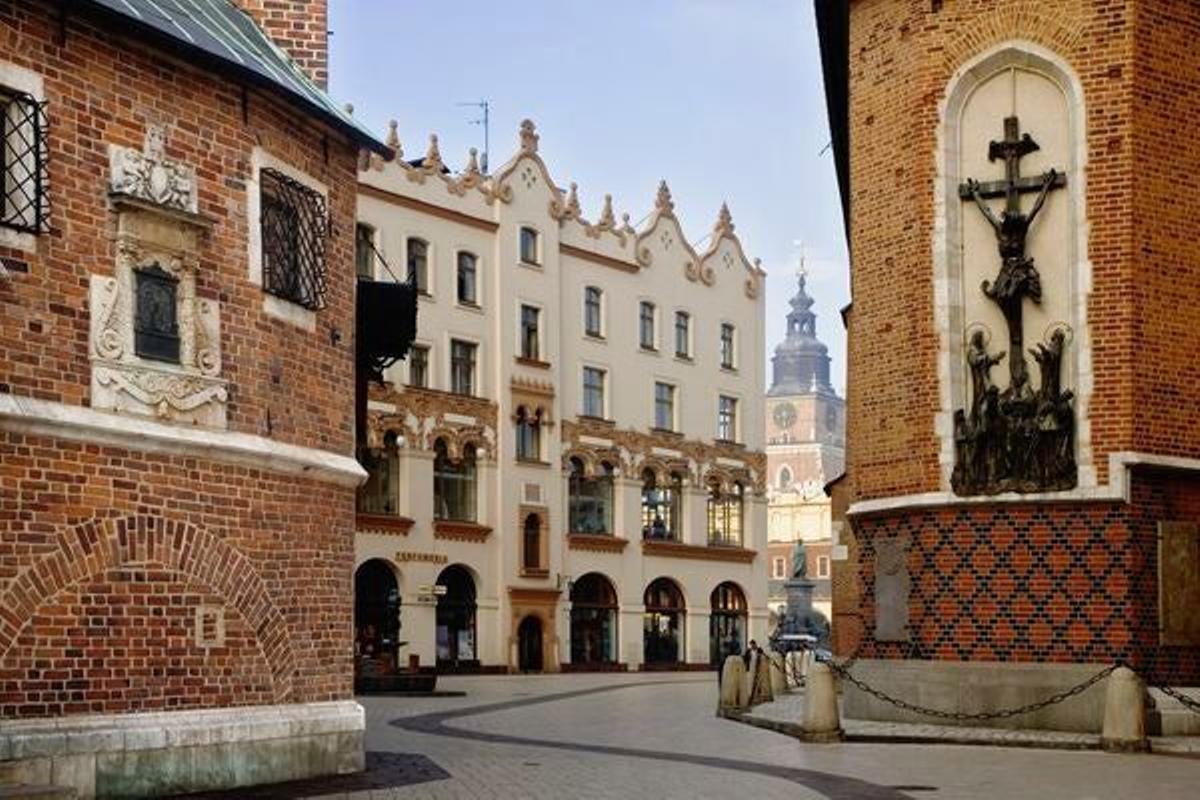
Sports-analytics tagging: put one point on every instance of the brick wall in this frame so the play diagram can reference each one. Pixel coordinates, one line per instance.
(105, 551)
(902, 55)
(300, 27)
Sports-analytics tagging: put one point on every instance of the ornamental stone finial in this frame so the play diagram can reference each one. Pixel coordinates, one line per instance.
(349, 107)
(724, 226)
(433, 156)
(572, 207)
(529, 137)
(607, 218)
(393, 137)
(472, 162)
(662, 201)
(625, 226)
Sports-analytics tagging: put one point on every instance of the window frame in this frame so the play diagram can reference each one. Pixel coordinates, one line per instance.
(824, 566)
(294, 232)
(18, 230)
(463, 475)
(523, 341)
(473, 378)
(473, 271)
(599, 332)
(686, 318)
(427, 351)
(359, 239)
(595, 490)
(529, 233)
(531, 556)
(670, 401)
(419, 278)
(729, 427)
(648, 325)
(527, 440)
(728, 353)
(602, 388)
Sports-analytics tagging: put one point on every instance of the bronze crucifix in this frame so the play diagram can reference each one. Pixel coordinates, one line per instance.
(1018, 278)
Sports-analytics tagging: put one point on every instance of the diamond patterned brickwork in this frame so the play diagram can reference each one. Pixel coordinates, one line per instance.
(1069, 582)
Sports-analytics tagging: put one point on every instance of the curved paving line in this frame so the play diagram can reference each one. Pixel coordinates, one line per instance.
(835, 787)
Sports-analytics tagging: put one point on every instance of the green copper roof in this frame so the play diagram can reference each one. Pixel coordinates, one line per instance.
(219, 35)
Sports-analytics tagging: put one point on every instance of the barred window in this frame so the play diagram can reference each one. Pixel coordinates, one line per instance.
(294, 229)
(24, 205)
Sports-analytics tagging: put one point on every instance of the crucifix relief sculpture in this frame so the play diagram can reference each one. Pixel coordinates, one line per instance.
(1019, 439)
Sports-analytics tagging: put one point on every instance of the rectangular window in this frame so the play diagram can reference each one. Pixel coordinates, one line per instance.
(418, 264)
(364, 251)
(529, 246)
(462, 367)
(529, 332)
(728, 347)
(683, 334)
(777, 568)
(822, 566)
(294, 229)
(24, 205)
(466, 279)
(155, 327)
(593, 392)
(418, 366)
(646, 325)
(592, 312)
(727, 419)
(664, 406)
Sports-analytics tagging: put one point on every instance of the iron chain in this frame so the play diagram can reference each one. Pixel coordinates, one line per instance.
(1188, 702)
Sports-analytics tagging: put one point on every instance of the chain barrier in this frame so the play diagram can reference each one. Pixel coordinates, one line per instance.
(1189, 703)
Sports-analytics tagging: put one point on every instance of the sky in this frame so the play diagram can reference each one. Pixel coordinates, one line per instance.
(722, 98)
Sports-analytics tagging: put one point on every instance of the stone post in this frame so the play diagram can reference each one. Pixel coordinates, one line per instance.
(1124, 713)
(778, 673)
(821, 721)
(732, 691)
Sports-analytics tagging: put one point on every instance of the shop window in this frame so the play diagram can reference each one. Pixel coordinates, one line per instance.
(590, 499)
(593, 620)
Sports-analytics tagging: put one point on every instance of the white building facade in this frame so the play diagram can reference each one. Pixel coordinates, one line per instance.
(568, 470)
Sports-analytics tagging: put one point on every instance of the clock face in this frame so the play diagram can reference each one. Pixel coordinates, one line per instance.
(785, 415)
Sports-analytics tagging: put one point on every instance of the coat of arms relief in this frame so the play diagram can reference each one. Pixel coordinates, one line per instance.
(155, 346)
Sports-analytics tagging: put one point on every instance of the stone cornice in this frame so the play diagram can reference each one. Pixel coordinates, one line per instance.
(669, 549)
(35, 417)
(596, 543)
(405, 201)
(460, 531)
(598, 258)
(391, 524)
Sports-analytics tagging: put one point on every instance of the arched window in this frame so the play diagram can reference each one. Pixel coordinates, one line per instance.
(381, 493)
(418, 263)
(453, 484)
(532, 542)
(455, 617)
(660, 506)
(727, 622)
(593, 620)
(529, 434)
(662, 622)
(785, 478)
(725, 511)
(376, 619)
(590, 499)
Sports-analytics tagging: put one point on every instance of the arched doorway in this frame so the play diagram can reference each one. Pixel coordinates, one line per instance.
(662, 630)
(727, 623)
(593, 621)
(456, 618)
(529, 644)
(376, 619)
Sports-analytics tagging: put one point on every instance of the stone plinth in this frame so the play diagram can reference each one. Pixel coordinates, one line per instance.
(173, 752)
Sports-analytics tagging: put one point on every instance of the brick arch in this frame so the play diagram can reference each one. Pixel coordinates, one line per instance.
(1058, 26)
(93, 547)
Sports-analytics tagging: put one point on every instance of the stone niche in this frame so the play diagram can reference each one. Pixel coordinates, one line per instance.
(154, 344)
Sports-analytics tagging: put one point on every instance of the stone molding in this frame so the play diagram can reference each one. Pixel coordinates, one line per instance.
(458, 531)
(387, 524)
(596, 543)
(668, 549)
(1116, 490)
(421, 416)
(35, 417)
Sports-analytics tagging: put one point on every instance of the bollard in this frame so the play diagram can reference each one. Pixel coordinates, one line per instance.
(778, 674)
(1124, 713)
(732, 696)
(760, 687)
(821, 720)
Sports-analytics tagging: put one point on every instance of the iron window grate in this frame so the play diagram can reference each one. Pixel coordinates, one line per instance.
(294, 231)
(24, 205)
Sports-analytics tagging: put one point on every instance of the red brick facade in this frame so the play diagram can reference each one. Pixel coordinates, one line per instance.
(301, 27)
(1063, 581)
(107, 550)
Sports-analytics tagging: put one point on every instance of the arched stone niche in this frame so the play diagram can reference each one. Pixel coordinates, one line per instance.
(1041, 90)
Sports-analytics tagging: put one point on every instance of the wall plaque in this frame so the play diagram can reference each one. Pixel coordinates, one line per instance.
(891, 589)
(1179, 583)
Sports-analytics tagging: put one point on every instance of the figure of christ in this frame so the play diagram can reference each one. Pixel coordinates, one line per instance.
(1018, 277)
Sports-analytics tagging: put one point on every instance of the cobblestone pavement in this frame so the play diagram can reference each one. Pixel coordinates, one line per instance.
(655, 736)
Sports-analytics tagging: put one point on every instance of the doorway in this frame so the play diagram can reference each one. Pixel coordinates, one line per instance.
(529, 645)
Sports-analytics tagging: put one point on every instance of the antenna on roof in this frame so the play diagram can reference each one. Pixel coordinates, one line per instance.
(484, 108)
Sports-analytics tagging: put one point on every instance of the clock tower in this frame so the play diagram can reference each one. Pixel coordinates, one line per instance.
(805, 436)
